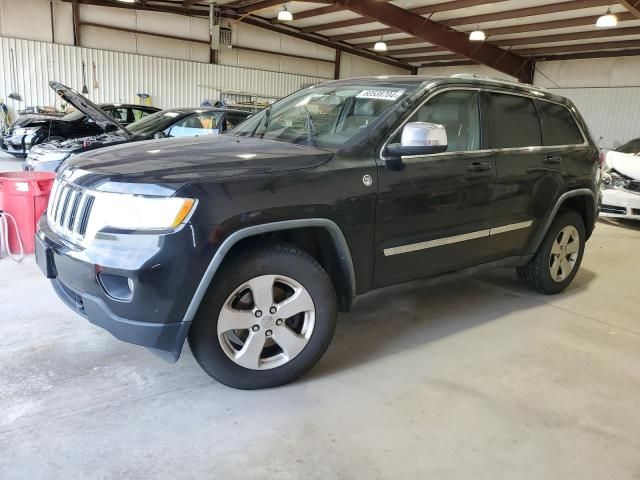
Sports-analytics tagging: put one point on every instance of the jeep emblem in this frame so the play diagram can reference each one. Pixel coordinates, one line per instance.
(367, 180)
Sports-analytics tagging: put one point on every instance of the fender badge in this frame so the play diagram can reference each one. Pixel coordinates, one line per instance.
(367, 180)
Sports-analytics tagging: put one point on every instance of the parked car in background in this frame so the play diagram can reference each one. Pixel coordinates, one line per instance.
(31, 130)
(177, 122)
(621, 182)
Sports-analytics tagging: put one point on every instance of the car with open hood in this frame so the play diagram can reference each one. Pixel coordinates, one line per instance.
(621, 182)
(249, 243)
(179, 122)
(31, 130)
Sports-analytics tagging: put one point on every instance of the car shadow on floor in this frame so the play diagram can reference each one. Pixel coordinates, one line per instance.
(408, 316)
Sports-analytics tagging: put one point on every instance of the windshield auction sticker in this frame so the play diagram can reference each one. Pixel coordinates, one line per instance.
(389, 95)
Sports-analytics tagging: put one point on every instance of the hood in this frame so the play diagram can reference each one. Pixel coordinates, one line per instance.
(86, 106)
(177, 162)
(624, 163)
(82, 144)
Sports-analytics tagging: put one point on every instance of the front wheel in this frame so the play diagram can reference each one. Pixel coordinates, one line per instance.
(267, 319)
(558, 258)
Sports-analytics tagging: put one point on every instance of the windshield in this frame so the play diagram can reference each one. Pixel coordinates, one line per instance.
(324, 116)
(73, 115)
(632, 147)
(155, 122)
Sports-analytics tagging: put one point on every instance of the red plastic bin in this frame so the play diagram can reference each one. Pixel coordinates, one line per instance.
(25, 196)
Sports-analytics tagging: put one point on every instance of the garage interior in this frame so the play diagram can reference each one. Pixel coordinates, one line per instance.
(472, 376)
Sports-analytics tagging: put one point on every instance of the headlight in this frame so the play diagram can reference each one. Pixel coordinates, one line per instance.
(25, 131)
(43, 155)
(131, 212)
(613, 179)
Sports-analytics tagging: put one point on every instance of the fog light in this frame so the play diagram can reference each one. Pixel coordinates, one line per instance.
(116, 286)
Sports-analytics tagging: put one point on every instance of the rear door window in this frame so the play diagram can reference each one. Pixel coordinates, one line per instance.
(139, 113)
(513, 121)
(558, 125)
(120, 114)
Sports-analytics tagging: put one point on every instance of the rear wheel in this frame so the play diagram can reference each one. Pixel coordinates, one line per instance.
(558, 258)
(268, 318)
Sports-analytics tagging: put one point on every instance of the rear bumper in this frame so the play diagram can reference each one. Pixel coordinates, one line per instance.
(163, 271)
(620, 204)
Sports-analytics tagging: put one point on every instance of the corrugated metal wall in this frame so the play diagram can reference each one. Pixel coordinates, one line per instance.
(171, 83)
(612, 113)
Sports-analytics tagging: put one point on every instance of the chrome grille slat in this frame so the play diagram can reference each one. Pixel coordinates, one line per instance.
(78, 215)
(69, 210)
(62, 205)
(84, 218)
(73, 209)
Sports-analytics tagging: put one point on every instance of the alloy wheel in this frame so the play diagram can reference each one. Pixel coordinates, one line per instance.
(564, 253)
(266, 322)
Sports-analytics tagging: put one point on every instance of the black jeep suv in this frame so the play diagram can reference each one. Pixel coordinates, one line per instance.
(248, 244)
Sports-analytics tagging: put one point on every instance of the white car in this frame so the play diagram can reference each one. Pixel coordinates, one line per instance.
(621, 182)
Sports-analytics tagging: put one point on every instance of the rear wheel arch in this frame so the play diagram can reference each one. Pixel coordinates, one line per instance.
(582, 200)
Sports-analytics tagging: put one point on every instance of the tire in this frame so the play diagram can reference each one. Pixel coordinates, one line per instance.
(228, 355)
(541, 273)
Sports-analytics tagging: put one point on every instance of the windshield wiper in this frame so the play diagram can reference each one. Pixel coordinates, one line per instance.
(267, 116)
(311, 128)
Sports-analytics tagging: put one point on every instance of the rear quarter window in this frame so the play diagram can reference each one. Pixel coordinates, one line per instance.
(558, 125)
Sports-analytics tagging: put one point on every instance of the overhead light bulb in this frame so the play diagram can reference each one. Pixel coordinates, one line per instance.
(477, 36)
(607, 21)
(380, 46)
(127, 1)
(285, 15)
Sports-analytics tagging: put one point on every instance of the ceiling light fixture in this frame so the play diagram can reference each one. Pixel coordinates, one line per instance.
(285, 15)
(477, 36)
(607, 21)
(380, 46)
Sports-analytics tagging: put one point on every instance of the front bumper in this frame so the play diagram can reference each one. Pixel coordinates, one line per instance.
(164, 271)
(31, 165)
(17, 145)
(617, 203)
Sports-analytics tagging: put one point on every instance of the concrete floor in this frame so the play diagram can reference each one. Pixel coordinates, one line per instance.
(476, 378)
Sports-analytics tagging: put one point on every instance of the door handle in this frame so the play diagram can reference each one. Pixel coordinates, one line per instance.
(551, 159)
(479, 166)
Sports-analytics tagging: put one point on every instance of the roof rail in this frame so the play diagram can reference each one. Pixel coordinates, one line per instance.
(494, 80)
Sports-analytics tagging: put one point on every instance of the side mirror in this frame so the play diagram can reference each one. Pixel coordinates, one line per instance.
(159, 135)
(418, 138)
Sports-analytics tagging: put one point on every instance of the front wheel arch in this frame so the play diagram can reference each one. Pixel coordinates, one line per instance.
(346, 272)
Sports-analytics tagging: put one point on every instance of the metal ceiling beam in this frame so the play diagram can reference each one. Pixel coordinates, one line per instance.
(368, 33)
(542, 51)
(317, 39)
(436, 34)
(315, 12)
(528, 12)
(178, 10)
(581, 47)
(253, 6)
(563, 37)
(588, 55)
(633, 6)
(507, 15)
(261, 5)
(425, 10)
